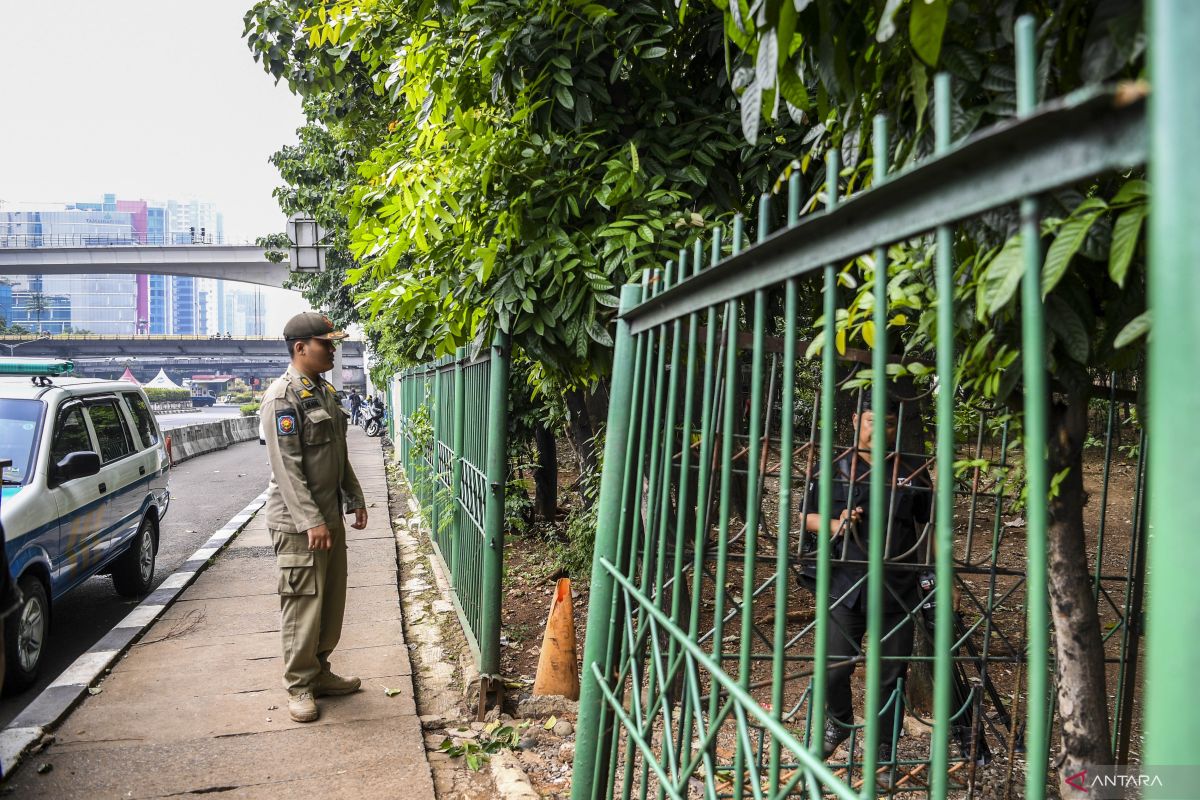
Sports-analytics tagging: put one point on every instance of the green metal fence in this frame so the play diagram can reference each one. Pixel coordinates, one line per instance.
(706, 669)
(449, 423)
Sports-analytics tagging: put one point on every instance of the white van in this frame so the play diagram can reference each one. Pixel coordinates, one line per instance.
(83, 496)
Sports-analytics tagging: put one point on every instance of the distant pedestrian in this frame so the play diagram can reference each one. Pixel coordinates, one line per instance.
(356, 402)
(312, 486)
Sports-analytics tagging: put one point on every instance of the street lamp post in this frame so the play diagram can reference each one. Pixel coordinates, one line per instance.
(11, 347)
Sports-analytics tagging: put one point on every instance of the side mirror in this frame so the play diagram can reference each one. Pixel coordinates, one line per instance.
(79, 464)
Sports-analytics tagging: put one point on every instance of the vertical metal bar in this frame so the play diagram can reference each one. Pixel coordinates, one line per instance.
(877, 513)
(703, 482)
(439, 424)
(1108, 451)
(825, 474)
(1036, 482)
(791, 310)
(726, 490)
(497, 476)
(1172, 661)
(608, 520)
(944, 514)
(683, 741)
(753, 449)
(458, 532)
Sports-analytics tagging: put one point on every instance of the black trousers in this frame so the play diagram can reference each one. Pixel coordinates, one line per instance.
(843, 640)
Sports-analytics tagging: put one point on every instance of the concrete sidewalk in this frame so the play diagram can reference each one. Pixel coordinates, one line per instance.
(197, 705)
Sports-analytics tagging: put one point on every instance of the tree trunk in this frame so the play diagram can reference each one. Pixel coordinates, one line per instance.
(1078, 649)
(545, 474)
(580, 430)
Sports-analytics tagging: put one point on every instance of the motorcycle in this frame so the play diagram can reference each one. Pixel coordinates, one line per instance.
(371, 418)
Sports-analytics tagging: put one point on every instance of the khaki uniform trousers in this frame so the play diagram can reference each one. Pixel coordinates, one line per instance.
(312, 598)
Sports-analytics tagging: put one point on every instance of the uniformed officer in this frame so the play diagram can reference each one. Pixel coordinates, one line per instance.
(312, 485)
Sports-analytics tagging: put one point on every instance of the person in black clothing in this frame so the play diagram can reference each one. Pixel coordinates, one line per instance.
(908, 496)
(356, 402)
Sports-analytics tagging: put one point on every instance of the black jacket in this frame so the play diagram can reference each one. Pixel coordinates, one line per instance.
(908, 498)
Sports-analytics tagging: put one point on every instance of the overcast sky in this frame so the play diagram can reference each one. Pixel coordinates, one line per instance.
(149, 99)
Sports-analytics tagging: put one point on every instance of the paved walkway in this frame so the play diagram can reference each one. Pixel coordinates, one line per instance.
(197, 705)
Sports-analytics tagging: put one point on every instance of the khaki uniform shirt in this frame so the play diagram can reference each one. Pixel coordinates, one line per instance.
(312, 482)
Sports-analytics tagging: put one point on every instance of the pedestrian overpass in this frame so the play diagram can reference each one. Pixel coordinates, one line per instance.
(247, 263)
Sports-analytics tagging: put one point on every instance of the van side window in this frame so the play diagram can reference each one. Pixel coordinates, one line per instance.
(142, 418)
(70, 435)
(111, 434)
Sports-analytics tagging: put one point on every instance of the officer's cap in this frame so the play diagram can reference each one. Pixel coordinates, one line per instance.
(311, 325)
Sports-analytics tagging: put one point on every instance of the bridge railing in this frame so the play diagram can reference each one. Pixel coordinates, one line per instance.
(26, 240)
(449, 423)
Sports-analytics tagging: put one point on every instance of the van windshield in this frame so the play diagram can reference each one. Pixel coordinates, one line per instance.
(18, 435)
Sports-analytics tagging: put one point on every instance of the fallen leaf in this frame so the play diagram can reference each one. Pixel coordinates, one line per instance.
(94, 690)
(391, 692)
(550, 723)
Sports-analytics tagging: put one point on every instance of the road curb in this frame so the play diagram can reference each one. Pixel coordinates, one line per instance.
(56, 700)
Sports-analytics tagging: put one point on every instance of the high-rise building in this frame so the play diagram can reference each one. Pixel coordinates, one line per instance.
(66, 303)
(125, 304)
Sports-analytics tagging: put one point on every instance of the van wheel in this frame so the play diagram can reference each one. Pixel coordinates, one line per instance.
(25, 634)
(133, 574)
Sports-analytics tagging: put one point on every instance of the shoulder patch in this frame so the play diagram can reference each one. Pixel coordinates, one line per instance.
(285, 422)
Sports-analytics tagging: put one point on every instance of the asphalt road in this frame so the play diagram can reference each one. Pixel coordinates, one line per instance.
(200, 415)
(205, 492)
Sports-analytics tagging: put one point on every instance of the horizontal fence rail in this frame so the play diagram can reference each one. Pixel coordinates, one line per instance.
(449, 427)
(27, 240)
(788, 599)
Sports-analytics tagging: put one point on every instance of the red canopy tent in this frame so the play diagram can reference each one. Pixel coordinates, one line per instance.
(128, 376)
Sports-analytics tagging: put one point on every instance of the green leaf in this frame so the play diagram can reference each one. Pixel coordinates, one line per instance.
(886, 28)
(654, 52)
(1067, 243)
(926, 24)
(550, 723)
(564, 96)
(1069, 329)
(1138, 327)
(1124, 242)
(751, 111)
(794, 90)
(1000, 279)
(920, 90)
(1134, 189)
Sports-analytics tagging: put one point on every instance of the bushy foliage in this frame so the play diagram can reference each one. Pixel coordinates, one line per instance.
(513, 160)
(156, 395)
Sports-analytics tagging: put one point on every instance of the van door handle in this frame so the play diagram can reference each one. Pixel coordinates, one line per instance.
(141, 470)
(103, 488)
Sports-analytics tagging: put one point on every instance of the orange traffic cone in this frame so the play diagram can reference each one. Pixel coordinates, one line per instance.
(558, 669)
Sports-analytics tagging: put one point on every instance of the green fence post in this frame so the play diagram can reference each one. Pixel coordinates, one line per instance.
(608, 519)
(944, 513)
(439, 426)
(460, 422)
(1172, 730)
(497, 477)
(1037, 483)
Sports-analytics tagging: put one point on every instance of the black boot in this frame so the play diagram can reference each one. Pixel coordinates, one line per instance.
(885, 775)
(835, 734)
